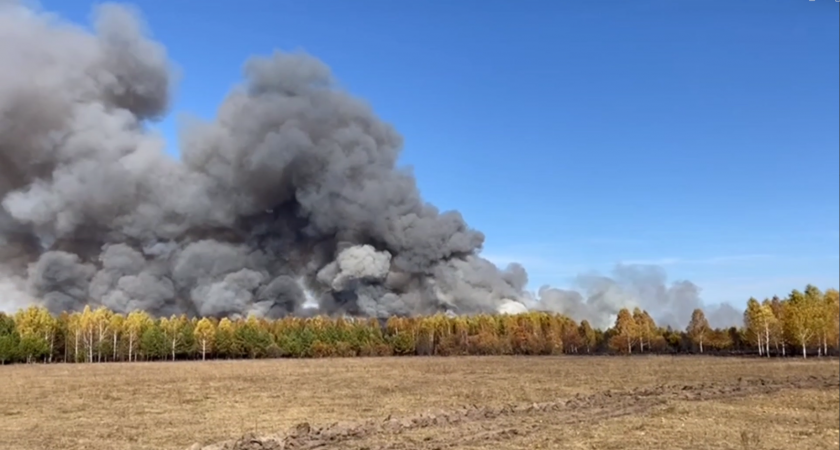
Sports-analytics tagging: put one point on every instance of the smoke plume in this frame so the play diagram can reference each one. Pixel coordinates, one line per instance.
(598, 298)
(290, 197)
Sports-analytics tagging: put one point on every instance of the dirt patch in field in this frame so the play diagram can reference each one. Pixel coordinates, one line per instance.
(169, 406)
(475, 426)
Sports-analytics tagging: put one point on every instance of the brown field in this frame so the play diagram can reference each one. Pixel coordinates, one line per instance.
(425, 403)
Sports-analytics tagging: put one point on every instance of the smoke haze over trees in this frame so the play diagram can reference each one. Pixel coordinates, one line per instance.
(290, 197)
(805, 322)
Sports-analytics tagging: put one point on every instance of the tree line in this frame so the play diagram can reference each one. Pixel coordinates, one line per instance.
(804, 323)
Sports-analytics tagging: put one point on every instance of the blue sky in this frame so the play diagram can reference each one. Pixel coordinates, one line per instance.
(702, 136)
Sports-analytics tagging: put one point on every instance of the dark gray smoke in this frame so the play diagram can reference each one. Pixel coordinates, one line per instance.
(291, 196)
(290, 199)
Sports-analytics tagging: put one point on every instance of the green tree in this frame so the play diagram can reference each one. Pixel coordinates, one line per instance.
(9, 339)
(34, 347)
(153, 342)
(226, 345)
(253, 338)
(9, 344)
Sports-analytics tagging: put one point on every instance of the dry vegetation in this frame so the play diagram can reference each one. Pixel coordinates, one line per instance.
(425, 403)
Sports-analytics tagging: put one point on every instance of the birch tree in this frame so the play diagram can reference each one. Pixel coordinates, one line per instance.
(173, 328)
(766, 323)
(778, 310)
(135, 324)
(87, 327)
(116, 328)
(832, 301)
(799, 320)
(205, 332)
(819, 317)
(698, 328)
(757, 323)
(36, 328)
(102, 323)
(587, 335)
(626, 331)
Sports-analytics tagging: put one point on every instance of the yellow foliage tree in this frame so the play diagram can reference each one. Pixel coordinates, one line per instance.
(87, 327)
(102, 322)
(116, 328)
(646, 328)
(800, 320)
(832, 300)
(759, 320)
(36, 327)
(205, 334)
(172, 328)
(698, 328)
(626, 331)
(135, 324)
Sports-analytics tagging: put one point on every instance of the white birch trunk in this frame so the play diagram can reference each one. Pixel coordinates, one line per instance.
(130, 345)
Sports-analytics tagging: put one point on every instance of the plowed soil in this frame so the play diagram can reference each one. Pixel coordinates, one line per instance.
(426, 403)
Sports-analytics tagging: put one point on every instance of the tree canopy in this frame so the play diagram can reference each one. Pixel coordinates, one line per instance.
(805, 322)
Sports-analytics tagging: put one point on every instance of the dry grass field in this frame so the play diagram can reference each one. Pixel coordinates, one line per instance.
(425, 403)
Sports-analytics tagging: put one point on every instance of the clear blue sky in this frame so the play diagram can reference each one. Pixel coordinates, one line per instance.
(699, 135)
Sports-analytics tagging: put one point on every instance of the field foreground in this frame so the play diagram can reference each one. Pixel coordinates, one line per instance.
(425, 403)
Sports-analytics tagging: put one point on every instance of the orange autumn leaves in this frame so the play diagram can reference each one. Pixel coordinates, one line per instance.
(804, 322)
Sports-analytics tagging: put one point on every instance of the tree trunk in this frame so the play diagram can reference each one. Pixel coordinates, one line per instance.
(804, 351)
(203, 349)
(767, 337)
(90, 346)
(173, 349)
(130, 345)
(701, 345)
(115, 347)
(99, 340)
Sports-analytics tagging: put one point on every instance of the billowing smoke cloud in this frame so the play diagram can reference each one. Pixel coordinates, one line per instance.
(291, 193)
(290, 196)
(599, 298)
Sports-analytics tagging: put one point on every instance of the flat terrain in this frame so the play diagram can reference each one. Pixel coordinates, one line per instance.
(425, 403)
